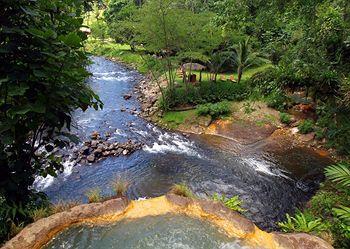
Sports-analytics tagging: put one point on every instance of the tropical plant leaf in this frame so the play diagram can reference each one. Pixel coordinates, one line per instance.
(343, 213)
(302, 223)
(339, 173)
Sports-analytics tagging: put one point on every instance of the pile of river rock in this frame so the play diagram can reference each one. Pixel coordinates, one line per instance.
(98, 148)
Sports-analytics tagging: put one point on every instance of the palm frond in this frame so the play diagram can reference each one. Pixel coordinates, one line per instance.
(339, 173)
(302, 223)
(343, 213)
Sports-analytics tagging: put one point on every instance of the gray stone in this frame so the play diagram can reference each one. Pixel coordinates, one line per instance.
(94, 144)
(91, 158)
(85, 150)
(127, 96)
(97, 152)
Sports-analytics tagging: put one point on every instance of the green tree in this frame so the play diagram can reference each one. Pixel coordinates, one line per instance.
(244, 57)
(161, 31)
(41, 83)
(120, 17)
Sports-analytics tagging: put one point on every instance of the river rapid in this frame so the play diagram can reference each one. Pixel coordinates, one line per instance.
(269, 184)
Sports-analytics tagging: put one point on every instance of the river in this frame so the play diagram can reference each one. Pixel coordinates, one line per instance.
(270, 185)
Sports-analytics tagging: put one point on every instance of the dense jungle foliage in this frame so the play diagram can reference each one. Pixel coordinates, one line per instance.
(269, 49)
(307, 44)
(42, 74)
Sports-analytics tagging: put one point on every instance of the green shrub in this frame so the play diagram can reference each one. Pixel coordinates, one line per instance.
(331, 204)
(15, 229)
(303, 223)
(306, 126)
(248, 108)
(39, 213)
(339, 174)
(209, 92)
(182, 189)
(264, 82)
(120, 187)
(277, 100)
(94, 195)
(62, 206)
(233, 203)
(285, 118)
(343, 213)
(324, 201)
(214, 110)
(334, 125)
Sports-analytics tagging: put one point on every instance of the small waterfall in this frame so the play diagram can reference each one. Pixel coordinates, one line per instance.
(265, 167)
(159, 141)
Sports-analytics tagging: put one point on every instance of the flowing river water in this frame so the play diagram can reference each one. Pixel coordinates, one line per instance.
(270, 184)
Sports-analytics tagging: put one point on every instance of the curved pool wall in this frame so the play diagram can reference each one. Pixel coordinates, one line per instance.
(233, 225)
(270, 185)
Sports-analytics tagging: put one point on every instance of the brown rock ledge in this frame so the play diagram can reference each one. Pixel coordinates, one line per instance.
(233, 224)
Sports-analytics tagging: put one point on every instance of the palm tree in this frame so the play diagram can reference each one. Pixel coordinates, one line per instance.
(216, 62)
(340, 174)
(244, 57)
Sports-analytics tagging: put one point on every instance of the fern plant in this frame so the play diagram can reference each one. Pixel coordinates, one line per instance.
(339, 173)
(233, 203)
(302, 223)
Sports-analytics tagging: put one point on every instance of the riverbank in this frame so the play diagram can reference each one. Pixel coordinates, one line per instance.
(249, 122)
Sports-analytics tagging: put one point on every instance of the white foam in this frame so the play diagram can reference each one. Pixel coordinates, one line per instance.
(119, 132)
(113, 78)
(41, 183)
(264, 167)
(142, 199)
(105, 73)
(172, 143)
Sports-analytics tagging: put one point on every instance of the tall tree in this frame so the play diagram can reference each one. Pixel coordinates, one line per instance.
(42, 78)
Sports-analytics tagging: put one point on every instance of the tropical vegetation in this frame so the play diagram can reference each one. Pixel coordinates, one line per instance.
(42, 80)
(289, 54)
(328, 212)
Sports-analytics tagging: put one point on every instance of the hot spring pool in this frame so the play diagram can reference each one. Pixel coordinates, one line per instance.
(161, 232)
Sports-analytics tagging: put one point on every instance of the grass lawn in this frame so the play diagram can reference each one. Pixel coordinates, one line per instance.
(174, 118)
(248, 73)
(119, 51)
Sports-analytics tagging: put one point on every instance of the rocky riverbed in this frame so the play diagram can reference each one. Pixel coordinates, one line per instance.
(97, 149)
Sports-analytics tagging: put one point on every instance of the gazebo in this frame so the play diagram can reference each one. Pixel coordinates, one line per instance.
(189, 67)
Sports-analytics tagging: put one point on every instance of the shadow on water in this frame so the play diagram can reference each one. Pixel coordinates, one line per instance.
(270, 184)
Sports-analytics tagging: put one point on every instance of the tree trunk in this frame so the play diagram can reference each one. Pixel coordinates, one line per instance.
(132, 47)
(240, 73)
